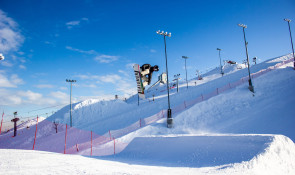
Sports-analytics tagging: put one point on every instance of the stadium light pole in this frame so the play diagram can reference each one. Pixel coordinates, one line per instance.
(185, 58)
(169, 112)
(15, 125)
(176, 79)
(288, 20)
(251, 88)
(71, 81)
(221, 71)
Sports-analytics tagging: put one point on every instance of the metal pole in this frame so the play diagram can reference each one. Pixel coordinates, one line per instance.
(185, 57)
(221, 72)
(169, 113)
(15, 127)
(71, 106)
(167, 74)
(291, 42)
(177, 84)
(251, 88)
(186, 75)
(71, 81)
(220, 64)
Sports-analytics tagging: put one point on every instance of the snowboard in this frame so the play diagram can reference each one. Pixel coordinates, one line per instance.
(140, 88)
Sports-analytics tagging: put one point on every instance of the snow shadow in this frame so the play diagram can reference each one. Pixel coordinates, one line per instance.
(192, 151)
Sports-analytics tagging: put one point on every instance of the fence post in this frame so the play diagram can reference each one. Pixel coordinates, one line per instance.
(110, 134)
(140, 122)
(1, 122)
(91, 144)
(114, 145)
(202, 97)
(217, 91)
(66, 139)
(77, 147)
(184, 104)
(35, 134)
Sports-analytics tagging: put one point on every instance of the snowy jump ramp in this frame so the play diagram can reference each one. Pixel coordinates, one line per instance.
(207, 151)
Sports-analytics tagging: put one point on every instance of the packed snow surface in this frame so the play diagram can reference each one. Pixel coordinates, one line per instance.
(231, 133)
(276, 156)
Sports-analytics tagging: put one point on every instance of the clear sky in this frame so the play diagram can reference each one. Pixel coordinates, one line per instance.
(96, 42)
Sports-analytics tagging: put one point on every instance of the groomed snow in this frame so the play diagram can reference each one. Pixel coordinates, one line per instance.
(232, 133)
(277, 158)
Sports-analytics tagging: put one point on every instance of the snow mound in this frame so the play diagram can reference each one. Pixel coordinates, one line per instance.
(250, 154)
(194, 150)
(278, 158)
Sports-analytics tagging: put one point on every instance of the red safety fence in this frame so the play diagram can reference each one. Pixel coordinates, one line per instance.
(70, 140)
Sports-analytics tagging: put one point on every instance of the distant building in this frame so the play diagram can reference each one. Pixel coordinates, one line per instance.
(163, 78)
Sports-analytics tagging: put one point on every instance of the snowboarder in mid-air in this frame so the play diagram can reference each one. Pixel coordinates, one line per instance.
(143, 76)
(146, 71)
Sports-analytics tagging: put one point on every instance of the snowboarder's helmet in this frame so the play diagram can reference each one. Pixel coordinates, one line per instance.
(156, 68)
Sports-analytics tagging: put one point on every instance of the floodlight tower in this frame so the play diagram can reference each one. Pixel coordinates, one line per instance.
(15, 125)
(221, 71)
(288, 20)
(169, 112)
(176, 79)
(71, 81)
(185, 58)
(251, 87)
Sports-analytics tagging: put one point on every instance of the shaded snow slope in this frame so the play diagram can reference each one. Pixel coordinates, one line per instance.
(276, 157)
(249, 154)
(194, 150)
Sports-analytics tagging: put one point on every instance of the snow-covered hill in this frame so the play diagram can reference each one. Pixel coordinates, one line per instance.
(102, 116)
(231, 133)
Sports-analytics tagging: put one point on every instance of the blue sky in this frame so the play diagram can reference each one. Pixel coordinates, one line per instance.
(96, 43)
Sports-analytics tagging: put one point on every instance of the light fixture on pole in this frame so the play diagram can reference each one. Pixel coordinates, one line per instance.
(255, 59)
(15, 125)
(199, 75)
(251, 87)
(71, 81)
(288, 20)
(185, 57)
(176, 79)
(169, 112)
(221, 71)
